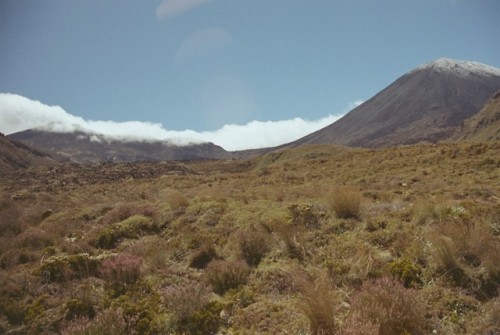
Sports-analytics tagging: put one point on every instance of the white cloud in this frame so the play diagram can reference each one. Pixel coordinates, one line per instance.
(18, 113)
(170, 8)
(202, 43)
(261, 134)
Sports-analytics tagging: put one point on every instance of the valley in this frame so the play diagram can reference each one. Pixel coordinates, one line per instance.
(257, 246)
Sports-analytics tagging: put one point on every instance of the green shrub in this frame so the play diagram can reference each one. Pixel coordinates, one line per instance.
(406, 271)
(224, 275)
(304, 215)
(124, 211)
(345, 202)
(132, 227)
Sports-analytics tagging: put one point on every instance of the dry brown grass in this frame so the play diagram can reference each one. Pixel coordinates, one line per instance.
(176, 200)
(385, 307)
(346, 202)
(321, 305)
(413, 199)
(254, 244)
(224, 275)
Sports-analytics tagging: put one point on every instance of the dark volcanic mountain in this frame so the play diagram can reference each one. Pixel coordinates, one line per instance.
(15, 155)
(426, 104)
(82, 147)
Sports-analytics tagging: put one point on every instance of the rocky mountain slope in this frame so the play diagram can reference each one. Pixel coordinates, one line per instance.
(483, 126)
(426, 104)
(81, 147)
(15, 155)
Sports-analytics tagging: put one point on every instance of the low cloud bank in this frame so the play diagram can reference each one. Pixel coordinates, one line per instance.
(18, 113)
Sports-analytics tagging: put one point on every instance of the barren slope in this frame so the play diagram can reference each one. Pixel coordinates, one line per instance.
(483, 126)
(426, 104)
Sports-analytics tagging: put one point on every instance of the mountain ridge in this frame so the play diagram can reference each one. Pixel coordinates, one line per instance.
(424, 105)
(15, 155)
(81, 147)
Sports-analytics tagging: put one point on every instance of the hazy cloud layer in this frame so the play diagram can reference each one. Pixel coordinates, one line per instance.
(170, 8)
(18, 113)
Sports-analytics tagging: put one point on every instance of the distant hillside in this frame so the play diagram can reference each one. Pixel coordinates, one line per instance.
(15, 155)
(483, 126)
(426, 104)
(81, 147)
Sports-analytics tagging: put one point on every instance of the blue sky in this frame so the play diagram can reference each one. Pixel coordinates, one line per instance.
(202, 65)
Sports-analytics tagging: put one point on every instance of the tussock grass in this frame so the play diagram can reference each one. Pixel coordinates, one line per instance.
(346, 202)
(320, 304)
(386, 307)
(223, 275)
(247, 232)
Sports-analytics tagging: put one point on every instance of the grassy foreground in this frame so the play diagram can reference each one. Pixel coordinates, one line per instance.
(314, 240)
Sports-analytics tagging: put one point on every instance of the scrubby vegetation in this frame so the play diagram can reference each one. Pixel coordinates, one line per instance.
(313, 240)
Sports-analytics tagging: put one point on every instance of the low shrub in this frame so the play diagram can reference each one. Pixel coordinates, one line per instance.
(345, 202)
(11, 214)
(224, 275)
(132, 227)
(176, 200)
(111, 322)
(253, 245)
(123, 269)
(117, 214)
(79, 308)
(427, 211)
(386, 307)
(489, 321)
(204, 255)
(66, 267)
(406, 271)
(288, 234)
(34, 238)
(304, 215)
(192, 311)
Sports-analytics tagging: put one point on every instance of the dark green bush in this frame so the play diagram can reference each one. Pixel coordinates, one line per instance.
(79, 308)
(204, 255)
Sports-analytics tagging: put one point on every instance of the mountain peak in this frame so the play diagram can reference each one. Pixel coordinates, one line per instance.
(459, 67)
(423, 105)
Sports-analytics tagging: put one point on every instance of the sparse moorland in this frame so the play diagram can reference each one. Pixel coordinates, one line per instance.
(313, 240)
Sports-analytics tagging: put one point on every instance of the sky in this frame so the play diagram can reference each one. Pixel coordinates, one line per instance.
(239, 73)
